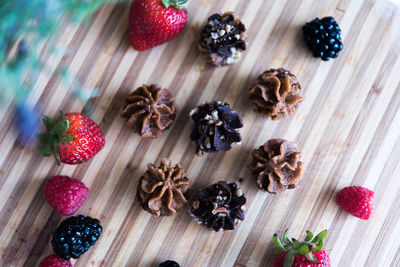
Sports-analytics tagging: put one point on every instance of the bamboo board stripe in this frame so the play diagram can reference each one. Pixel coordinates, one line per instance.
(348, 129)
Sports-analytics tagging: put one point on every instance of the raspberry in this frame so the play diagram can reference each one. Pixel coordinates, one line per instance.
(55, 261)
(66, 195)
(356, 200)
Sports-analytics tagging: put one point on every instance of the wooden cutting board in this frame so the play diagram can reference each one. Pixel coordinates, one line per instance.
(348, 129)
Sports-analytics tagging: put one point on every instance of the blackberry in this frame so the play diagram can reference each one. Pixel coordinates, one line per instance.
(323, 38)
(169, 264)
(75, 235)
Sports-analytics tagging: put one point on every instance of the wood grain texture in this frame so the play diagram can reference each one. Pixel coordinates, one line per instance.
(348, 129)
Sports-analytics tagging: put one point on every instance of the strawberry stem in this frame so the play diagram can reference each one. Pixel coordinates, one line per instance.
(174, 3)
(289, 259)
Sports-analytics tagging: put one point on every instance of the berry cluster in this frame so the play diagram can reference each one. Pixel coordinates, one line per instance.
(75, 235)
(65, 194)
(169, 263)
(356, 200)
(322, 37)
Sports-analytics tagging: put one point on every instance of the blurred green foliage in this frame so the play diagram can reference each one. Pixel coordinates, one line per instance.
(25, 25)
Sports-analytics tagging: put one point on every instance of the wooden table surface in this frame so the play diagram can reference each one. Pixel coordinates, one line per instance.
(348, 129)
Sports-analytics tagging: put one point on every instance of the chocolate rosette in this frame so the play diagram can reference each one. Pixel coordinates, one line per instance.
(163, 190)
(276, 93)
(277, 166)
(149, 110)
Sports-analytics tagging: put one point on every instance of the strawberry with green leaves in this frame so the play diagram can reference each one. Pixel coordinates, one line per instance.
(154, 22)
(73, 138)
(301, 254)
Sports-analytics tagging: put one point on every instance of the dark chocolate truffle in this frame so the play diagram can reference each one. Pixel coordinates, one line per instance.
(215, 127)
(219, 206)
(223, 39)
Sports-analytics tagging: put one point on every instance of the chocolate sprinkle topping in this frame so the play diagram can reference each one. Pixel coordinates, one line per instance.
(215, 127)
(223, 38)
(219, 206)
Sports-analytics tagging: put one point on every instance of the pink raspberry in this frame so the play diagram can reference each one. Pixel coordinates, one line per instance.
(66, 195)
(356, 200)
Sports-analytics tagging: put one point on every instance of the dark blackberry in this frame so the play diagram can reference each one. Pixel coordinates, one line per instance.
(75, 235)
(169, 264)
(323, 38)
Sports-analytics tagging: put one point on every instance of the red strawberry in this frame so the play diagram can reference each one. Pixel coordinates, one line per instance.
(55, 261)
(72, 139)
(356, 200)
(154, 22)
(308, 253)
(299, 260)
(66, 195)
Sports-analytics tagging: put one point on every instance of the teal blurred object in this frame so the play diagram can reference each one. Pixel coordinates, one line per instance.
(24, 25)
(27, 121)
(34, 21)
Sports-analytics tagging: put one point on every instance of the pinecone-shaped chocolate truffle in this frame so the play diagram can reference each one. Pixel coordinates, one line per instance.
(149, 110)
(223, 39)
(277, 166)
(215, 127)
(162, 190)
(219, 206)
(276, 93)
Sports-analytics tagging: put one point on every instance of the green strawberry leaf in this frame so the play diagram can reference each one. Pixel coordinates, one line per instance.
(174, 3)
(56, 135)
(289, 259)
(43, 139)
(310, 257)
(297, 244)
(166, 3)
(303, 250)
(57, 157)
(278, 242)
(62, 126)
(286, 240)
(54, 141)
(48, 122)
(66, 138)
(319, 246)
(60, 116)
(309, 236)
(45, 151)
(320, 236)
